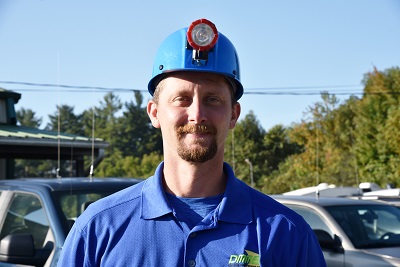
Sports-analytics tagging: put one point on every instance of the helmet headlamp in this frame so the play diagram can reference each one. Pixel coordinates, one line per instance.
(202, 35)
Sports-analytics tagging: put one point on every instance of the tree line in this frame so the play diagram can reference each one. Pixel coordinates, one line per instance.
(344, 144)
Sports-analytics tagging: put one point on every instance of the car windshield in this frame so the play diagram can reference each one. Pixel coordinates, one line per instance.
(369, 226)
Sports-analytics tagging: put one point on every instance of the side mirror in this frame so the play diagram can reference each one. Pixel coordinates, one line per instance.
(326, 241)
(20, 249)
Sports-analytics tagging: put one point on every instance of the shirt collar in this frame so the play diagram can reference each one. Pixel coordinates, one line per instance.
(154, 201)
(236, 206)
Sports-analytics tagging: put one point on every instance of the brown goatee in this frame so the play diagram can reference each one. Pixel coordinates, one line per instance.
(201, 153)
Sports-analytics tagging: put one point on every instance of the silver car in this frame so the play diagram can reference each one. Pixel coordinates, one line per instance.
(351, 232)
(37, 214)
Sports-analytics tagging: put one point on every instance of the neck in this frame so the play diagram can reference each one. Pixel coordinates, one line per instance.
(187, 179)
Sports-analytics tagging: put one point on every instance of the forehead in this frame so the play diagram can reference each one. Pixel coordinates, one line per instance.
(192, 79)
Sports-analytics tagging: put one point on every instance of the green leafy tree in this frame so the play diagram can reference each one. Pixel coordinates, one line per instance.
(278, 146)
(285, 178)
(278, 149)
(245, 144)
(27, 117)
(375, 129)
(111, 165)
(141, 167)
(348, 143)
(69, 122)
(102, 122)
(130, 136)
(138, 137)
(138, 167)
(323, 137)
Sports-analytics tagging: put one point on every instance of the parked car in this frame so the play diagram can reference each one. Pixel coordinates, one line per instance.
(351, 232)
(389, 196)
(331, 190)
(37, 214)
(388, 192)
(391, 200)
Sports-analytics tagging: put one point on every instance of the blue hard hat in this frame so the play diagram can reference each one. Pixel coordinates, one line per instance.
(176, 54)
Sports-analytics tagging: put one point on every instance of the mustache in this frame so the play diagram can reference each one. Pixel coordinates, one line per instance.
(191, 128)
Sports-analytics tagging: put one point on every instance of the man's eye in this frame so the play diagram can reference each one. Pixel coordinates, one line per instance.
(181, 99)
(213, 99)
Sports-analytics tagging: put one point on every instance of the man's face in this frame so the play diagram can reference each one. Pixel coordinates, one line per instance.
(195, 113)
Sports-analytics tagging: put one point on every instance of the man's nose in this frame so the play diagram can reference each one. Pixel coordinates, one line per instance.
(196, 112)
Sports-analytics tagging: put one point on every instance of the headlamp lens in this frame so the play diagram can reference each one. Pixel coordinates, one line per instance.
(202, 35)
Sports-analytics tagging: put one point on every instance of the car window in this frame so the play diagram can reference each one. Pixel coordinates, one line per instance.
(25, 215)
(312, 218)
(378, 222)
(73, 204)
(369, 226)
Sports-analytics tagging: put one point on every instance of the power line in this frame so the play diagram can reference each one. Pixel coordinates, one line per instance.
(75, 90)
(304, 87)
(70, 86)
(302, 93)
(294, 90)
(247, 92)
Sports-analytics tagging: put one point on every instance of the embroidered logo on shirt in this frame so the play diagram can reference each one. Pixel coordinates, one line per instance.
(249, 259)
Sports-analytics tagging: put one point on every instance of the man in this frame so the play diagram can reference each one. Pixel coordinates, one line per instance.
(193, 211)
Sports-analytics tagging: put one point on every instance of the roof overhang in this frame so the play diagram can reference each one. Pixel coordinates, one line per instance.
(30, 143)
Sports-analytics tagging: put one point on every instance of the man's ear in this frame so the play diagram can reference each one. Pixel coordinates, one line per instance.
(152, 111)
(235, 115)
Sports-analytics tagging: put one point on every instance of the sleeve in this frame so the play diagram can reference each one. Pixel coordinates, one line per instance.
(73, 251)
(310, 253)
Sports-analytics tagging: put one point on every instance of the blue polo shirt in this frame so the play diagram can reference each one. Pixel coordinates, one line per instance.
(138, 227)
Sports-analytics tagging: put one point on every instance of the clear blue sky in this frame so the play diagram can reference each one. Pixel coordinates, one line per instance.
(312, 44)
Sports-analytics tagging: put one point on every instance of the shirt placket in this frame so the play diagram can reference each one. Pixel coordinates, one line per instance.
(192, 249)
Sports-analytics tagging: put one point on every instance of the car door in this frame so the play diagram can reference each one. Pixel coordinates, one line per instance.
(317, 222)
(25, 216)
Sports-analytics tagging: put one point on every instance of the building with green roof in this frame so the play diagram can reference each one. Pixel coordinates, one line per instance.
(21, 142)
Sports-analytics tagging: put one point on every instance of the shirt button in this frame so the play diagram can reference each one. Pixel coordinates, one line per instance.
(192, 263)
(193, 235)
